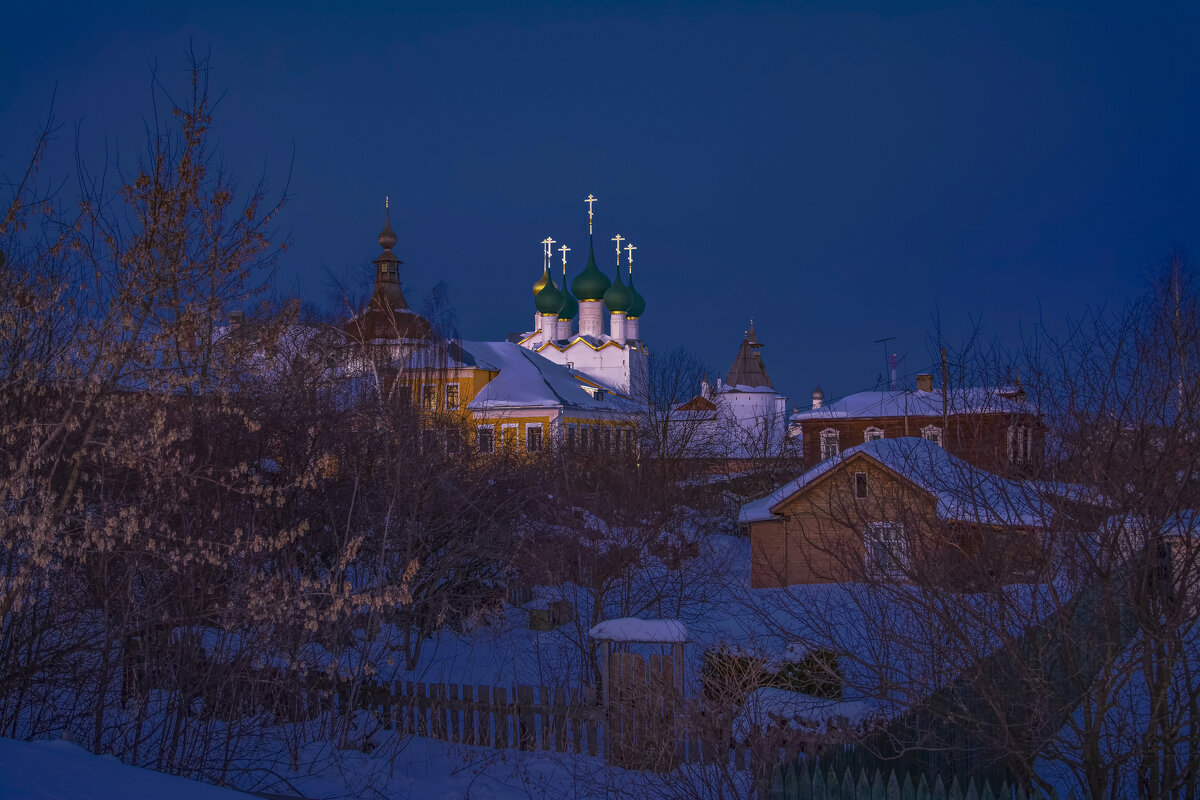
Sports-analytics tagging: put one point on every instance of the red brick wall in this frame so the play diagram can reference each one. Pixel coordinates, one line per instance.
(979, 439)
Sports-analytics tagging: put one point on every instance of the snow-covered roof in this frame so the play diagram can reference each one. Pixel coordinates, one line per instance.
(902, 402)
(742, 387)
(528, 379)
(632, 629)
(963, 492)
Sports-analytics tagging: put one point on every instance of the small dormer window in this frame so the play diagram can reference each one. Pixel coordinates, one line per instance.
(872, 433)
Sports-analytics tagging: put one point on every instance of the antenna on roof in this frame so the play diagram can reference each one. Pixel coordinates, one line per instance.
(888, 366)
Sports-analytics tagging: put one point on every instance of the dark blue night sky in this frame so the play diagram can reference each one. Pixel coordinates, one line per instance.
(837, 171)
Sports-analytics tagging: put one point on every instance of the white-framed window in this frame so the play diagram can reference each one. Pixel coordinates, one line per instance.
(429, 396)
(452, 397)
(872, 433)
(570, 435)
(887, 548)
(860, 485)
(933, 433)
(533, 438)
(1020, 444)
(485, 435)
(830, 443)
(508, 435)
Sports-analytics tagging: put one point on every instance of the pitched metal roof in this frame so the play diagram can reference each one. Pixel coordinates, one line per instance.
(748, 368)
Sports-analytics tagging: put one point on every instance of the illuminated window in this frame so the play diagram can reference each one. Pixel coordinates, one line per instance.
(830, 440)
(451, 396)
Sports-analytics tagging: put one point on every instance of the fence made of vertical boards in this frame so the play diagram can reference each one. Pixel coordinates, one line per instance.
(801, 781)
(558, 720)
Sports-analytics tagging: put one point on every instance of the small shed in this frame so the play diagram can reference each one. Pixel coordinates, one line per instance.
(667, 633)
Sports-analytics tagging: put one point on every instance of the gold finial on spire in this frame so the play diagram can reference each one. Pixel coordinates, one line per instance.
(590, 200)
(618, 239)
(629, 248)
(385, 202)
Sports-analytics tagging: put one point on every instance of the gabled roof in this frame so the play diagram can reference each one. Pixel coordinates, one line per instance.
(748, 368)
(962, 492)
(697, 404)
(902, 402)
(528, 379)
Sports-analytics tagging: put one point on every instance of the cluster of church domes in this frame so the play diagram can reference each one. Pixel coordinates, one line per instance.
(589, 285)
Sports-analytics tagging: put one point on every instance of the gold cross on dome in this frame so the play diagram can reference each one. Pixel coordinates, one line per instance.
(590, 200)
(564, 250)
(629, 248)
(618, 239)
(547, 248)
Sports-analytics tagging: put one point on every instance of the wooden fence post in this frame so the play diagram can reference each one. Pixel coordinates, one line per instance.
(526, 724)
(422, 708)
(454, 707)
(500, 712)
(484, 696)
(468, 694)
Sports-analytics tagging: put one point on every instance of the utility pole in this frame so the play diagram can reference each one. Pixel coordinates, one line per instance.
(945, 400)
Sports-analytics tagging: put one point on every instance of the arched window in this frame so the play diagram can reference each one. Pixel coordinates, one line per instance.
(872, 433)
(933, 433)
(830, 443)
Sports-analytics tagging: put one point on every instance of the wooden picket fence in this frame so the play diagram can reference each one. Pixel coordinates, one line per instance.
(560, 720)
(557, 720)
(806, 781)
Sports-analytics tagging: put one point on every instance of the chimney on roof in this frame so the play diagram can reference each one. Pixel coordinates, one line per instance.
(925, 382)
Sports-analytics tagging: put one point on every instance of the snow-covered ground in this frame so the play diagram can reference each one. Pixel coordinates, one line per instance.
(59, 770)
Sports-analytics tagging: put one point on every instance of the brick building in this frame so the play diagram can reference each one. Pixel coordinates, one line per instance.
(996, 429)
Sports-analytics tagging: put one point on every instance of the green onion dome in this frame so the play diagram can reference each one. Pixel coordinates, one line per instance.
(637, 303)
(617, 297)
(570, 306)
(549, 299)
(591, 284)
(542, 281)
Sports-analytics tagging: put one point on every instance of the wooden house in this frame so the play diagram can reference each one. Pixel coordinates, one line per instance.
(903, 510)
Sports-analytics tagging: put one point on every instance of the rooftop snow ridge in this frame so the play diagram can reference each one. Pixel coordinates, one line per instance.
(963, 492)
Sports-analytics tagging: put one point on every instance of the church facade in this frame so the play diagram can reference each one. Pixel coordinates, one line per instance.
(570, 382)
